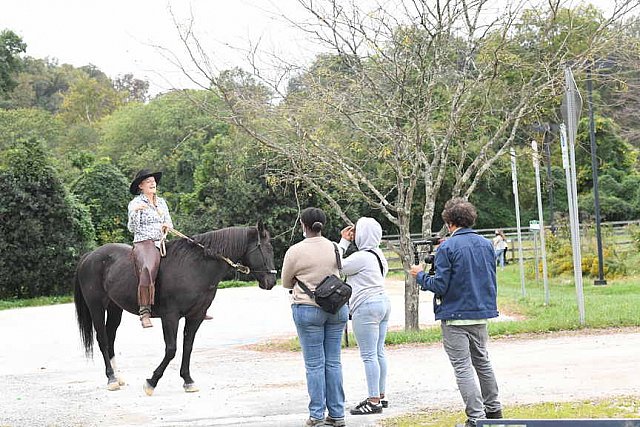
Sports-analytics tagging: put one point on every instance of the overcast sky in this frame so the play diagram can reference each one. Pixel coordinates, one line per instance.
(120, 36)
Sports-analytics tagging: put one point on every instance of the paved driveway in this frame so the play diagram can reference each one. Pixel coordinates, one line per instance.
(46, 381)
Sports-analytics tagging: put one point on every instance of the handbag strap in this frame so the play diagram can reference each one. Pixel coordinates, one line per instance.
(306, 289)
(338, 258)
(338, 261)
(379, 261)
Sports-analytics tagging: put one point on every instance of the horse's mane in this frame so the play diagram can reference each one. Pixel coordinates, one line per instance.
(230, 242)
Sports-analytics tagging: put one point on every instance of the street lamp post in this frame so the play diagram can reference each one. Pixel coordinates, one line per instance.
(594, 170)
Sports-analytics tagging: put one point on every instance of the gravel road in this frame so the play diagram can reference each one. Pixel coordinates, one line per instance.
(46, 380)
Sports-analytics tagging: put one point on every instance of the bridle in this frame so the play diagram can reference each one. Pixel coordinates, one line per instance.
(237, 266)
(258, 246)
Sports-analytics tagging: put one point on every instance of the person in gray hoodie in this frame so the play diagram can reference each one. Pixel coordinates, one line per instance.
(369, 306)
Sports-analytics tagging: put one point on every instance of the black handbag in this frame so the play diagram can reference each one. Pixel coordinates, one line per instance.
(332, 292)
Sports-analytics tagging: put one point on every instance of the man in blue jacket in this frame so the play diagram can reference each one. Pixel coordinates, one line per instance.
(465, 290)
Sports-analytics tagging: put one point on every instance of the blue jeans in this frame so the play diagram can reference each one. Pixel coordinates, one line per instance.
(500, 257)
(320, 336)
(370, 322)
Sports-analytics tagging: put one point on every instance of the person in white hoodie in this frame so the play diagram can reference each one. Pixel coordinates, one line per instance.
(369, 307)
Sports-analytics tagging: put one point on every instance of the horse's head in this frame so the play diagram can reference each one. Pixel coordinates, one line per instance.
(259, 258)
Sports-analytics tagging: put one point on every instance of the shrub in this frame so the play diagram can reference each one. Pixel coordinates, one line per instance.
(43, 230)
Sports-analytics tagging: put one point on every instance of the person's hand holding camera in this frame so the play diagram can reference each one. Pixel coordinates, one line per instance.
(415, 269)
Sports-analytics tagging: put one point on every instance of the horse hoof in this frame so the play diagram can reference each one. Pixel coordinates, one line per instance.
(147, 388)
(121, 381)
(190, 388)
(113, 386)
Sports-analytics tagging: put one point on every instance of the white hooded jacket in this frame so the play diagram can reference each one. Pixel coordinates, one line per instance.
(362, 268)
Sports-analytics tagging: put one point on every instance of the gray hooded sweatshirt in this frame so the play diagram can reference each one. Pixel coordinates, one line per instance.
(362, 268)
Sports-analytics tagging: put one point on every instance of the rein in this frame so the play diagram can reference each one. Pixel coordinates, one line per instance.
(239, 267)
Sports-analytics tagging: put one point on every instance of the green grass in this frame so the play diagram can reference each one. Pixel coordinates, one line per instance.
(236, 284)
(34, 302)
(615, 407)
(64, 299)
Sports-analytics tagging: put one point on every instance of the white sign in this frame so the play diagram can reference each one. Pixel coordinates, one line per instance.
(534, 225)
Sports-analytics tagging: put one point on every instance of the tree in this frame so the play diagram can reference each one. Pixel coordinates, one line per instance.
(11, 46)
(411, 98)
(89, 99)
(136, 90)
(168, 133)
(104, 190)
(41, 84)
(43, 230)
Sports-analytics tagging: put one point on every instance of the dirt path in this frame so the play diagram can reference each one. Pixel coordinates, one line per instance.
(46, 381)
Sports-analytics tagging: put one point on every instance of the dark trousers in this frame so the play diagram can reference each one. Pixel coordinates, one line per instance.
(147, 259)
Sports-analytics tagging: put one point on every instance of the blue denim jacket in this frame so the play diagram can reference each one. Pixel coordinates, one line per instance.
(465, 280)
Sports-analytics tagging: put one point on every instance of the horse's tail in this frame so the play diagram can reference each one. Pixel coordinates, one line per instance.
(83, 316)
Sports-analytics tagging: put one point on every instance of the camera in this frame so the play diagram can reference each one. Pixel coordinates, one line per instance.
(428, 256)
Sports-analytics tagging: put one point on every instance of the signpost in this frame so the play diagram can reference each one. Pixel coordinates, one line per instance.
(571, 106)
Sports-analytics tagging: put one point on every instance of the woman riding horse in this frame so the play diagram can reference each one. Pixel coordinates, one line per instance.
(148, 219)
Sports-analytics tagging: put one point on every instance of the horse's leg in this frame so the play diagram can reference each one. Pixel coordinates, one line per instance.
(114, 316)
(170, 332)
(190, 328)
(98, 319)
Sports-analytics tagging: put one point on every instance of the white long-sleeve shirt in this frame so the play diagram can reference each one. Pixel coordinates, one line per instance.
(146, 224)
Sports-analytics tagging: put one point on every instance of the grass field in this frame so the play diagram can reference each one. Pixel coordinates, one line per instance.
(618, 407)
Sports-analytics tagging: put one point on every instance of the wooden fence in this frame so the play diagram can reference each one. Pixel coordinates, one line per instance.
(614, 232)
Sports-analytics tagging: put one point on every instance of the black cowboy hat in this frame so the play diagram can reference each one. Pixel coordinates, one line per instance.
(141, 176)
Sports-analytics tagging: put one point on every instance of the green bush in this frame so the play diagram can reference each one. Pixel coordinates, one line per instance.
(104, 190)
(43, 229)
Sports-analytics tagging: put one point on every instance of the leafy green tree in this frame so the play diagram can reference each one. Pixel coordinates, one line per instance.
(11, 46)
(89, 99)
(168, 133)
(104, 190)
(41, 84)
(136, 90)
(43, 230)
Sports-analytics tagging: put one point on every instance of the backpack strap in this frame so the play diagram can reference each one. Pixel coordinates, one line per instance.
(379, 261)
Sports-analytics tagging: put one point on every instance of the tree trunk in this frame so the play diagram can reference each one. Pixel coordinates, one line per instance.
(411, 295)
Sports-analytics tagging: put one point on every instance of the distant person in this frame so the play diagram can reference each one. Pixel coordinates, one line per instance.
(148, 220)
(500, 247)
(465, 292)
(320, 332)
(370, 307)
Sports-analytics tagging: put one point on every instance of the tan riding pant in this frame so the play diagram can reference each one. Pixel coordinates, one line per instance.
(147, 259)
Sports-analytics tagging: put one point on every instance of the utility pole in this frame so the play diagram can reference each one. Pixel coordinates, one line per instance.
(594, 171)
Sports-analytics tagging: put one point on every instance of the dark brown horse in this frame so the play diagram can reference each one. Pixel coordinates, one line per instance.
(188, 278)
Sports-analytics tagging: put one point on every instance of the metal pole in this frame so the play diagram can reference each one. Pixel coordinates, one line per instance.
(574, 225)
(547, 154)
(594, 172)
(535, 252)
(543, 250)
(514, 179)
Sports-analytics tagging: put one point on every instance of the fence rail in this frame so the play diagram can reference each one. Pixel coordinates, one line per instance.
(529, 239)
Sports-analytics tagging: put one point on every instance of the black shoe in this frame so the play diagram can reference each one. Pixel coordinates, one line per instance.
(384, 403)
(365, 408)
(494, 415)
(334, 422)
